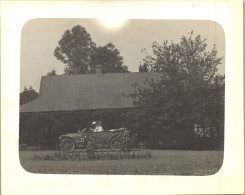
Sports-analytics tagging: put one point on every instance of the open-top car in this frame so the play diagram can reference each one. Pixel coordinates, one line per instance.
(107, 138)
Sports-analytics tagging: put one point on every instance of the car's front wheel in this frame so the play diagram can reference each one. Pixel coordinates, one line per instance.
(67, 145)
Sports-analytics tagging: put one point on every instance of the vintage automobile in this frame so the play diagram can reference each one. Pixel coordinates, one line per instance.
(107, 138)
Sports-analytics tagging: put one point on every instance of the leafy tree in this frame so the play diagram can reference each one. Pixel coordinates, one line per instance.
(143, 68)
(80, 54)
(52, 73)
(189, 92)
(109, 58)
(75, 50)
(28, 95)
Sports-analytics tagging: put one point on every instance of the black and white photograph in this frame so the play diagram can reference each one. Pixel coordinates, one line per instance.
(122, 97)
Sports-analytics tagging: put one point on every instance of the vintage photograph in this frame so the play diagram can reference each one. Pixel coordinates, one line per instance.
(122, 96)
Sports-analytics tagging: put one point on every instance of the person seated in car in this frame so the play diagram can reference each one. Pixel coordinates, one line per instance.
(96, 127)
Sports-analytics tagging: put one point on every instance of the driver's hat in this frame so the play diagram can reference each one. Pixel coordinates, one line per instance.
(94, 123)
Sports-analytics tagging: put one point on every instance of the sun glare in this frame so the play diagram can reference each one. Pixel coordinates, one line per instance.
(113, 23)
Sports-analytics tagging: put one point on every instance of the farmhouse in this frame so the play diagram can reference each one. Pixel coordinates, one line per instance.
(87, 92)
(68, 103)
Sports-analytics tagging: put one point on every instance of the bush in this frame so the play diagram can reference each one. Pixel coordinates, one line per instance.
(126, 142)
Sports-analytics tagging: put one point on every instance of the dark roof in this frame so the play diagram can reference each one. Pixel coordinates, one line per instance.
(86, 92)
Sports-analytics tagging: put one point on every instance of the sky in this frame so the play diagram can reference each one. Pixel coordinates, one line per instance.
(40, 37)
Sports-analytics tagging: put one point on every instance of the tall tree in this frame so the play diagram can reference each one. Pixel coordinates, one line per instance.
(189, 92)
(80, 55)
(109, 58)
(28, 95)
(74, 50)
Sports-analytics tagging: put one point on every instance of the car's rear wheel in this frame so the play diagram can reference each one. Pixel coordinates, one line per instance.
(115, 144)
(67, 145)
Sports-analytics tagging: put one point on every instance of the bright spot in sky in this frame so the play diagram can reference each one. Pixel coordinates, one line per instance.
(113, 22)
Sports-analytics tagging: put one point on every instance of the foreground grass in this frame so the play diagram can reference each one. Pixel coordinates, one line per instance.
(163, 162)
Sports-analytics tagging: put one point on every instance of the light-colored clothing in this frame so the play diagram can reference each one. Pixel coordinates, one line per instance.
(98, 129)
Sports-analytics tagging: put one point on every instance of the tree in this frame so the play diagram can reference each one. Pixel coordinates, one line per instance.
(109, 58)
(52, 73)
(143, 68)
(28, 95)
(80, 54)
(189, 92)
(75, 50)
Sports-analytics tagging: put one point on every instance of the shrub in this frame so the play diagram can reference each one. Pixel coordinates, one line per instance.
(126, 141)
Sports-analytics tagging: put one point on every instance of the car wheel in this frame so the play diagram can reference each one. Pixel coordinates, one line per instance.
(115, 144)
(67, 145)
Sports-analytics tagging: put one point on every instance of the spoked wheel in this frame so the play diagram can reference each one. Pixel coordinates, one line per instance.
(67, 145)
(115, 144)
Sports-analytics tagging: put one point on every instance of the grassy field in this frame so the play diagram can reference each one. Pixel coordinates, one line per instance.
(163, 162)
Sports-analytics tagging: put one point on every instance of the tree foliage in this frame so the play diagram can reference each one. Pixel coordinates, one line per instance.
(189, 92)
(109, 58)
(28, 95)
(80, 54)
(75, 49)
